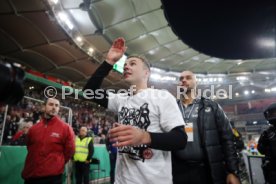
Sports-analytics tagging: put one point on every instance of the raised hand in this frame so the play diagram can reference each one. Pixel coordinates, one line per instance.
(116, 51)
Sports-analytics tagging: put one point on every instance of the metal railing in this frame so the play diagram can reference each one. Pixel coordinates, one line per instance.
(254, 168)
(4, 124)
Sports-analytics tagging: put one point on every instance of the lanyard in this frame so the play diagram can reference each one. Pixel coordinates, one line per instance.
(183, 112)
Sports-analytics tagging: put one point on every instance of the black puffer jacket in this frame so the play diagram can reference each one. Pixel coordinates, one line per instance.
(217, 140)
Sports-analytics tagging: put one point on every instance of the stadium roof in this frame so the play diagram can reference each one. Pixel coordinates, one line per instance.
(68, 38)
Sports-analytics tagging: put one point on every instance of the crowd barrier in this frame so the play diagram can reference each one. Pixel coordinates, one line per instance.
(12, 159)
(254, 168)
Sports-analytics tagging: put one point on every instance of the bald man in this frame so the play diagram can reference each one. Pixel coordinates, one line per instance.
(210, 156)
(83, 156)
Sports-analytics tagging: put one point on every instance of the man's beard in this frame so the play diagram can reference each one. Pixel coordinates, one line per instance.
(185, 90)
(188, 91)
(48, 116)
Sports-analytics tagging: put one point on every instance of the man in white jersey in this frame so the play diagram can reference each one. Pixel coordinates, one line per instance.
(150, 122)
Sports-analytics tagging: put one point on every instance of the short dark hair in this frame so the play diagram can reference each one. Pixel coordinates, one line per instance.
(46, 100)
(143, 59)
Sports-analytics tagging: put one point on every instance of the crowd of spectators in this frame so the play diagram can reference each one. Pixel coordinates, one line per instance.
(84, 113)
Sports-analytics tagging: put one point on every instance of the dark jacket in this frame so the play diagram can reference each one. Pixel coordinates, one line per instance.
(267, 146)
(238, 140)
(217, 141)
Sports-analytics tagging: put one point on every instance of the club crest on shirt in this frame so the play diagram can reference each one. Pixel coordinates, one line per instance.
(208, 109)
(138, 118)
(195, 115)
(147, 153)
(54, 134)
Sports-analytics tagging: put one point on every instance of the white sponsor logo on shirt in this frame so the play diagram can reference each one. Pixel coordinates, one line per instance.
(54, 134)
(208, 109)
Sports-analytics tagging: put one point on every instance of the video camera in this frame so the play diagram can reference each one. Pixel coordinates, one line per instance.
(11, 83)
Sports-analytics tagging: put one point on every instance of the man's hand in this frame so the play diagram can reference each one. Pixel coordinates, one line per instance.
(127, 135)
(116, 51)
(232, 179)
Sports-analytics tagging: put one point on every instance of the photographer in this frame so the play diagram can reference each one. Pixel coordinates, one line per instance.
(267, 146)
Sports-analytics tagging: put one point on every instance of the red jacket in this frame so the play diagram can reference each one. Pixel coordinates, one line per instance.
(50, 145)
(17, 135)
